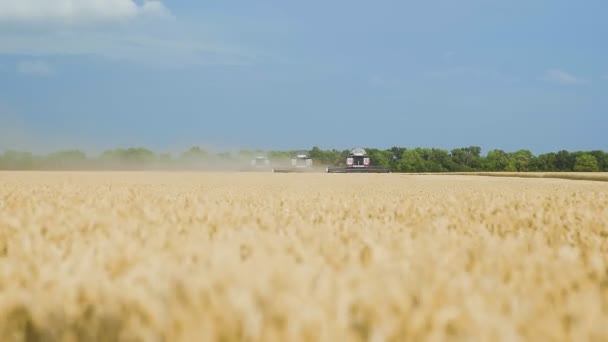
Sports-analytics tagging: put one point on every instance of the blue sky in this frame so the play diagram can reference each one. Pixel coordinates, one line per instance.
(99, 74)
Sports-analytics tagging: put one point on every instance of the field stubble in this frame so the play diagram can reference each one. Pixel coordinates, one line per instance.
(269, 257)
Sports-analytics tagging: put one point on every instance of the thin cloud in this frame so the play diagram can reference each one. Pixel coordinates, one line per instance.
(155, 8)
(144, 38)
(143, 47)
(35, 68)
(76, 12)
(558, 76)
(472, 73)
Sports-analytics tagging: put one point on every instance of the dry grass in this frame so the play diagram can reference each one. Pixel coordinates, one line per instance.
(291, 257)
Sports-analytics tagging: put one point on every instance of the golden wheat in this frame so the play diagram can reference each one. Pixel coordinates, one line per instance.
(590, 176)
(294, 257)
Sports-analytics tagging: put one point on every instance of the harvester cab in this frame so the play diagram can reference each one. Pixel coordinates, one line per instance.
(358, 161)
(300, 162)
(357, 158)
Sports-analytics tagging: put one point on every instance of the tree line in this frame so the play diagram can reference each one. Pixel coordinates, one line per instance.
(398, 159)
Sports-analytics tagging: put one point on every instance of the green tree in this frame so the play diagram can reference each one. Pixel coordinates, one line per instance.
(467, 158)
(139, 155)
(602, 159)
(432, 159)
(130, 156)
(397, 151)
(586, 163)
(66, 159)
(317, 154)
(411, 161)
(279, 155)
(564, 161)
(496, 160)
(70, 155)
(379, 157)
(522, 160)
(441, 158)
(544, 162)
(18, 160)
(195, 153)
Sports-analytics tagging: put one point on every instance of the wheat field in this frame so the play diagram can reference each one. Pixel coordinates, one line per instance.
(301, 257)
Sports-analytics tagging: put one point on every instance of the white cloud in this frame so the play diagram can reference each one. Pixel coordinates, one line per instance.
(36, 68)
(75, 12)
(125, 30)
(562, 77)
(155, 8)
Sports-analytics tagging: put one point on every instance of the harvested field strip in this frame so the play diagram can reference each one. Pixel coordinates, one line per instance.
(588, 176)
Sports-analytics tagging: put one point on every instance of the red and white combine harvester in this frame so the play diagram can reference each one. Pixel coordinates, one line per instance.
(300, 162)
(358, 162)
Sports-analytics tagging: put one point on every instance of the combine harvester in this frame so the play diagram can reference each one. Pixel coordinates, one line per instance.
(259, 163)
(358, 162)
(300, 162)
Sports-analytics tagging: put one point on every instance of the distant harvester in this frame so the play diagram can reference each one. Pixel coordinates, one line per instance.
(300, 162)
(358, 161)
(260, 161)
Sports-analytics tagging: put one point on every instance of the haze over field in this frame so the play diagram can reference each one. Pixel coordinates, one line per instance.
(96, 74)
